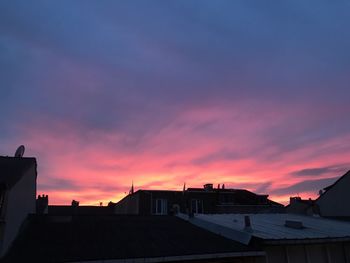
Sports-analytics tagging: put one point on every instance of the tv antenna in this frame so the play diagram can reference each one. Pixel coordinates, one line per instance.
(20, 151)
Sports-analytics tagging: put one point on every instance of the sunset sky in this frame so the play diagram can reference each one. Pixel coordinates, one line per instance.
(252, 94)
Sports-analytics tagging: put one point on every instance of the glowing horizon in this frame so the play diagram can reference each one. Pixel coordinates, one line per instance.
(99, 167)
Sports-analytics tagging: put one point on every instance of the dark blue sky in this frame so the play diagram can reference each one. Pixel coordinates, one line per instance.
(247, 93)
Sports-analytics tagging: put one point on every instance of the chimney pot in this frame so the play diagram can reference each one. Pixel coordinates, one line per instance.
(208, 187)
(247, 224)
(42, 203)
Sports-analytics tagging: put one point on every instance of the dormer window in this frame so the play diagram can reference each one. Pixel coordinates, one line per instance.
(161, 207)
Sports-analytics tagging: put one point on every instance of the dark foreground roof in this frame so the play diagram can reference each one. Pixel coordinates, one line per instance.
(13, 168)
(61, 210)
(67, 238)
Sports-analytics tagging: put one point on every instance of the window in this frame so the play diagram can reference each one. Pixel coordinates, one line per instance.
(197, 206)
(161, 207)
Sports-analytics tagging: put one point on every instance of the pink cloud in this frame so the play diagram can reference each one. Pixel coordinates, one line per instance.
(198, 146)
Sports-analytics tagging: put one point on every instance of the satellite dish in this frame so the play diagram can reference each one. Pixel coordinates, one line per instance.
(20, 151)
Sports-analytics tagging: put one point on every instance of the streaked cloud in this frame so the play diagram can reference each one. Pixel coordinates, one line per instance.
(340, 168)
(306, 186)
(243, 93)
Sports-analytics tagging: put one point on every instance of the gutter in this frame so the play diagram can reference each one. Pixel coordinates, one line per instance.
(306, 241)
(178, 258)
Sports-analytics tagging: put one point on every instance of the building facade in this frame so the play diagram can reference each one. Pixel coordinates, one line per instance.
(206, 200)
(17, 196)
(334, 201)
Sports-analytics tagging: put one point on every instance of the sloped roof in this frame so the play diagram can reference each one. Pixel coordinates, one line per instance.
(73, 238)
(330, 186)
(80, 210)
(272, 226)
(13, 168)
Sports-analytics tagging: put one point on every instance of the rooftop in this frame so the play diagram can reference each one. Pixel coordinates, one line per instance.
(73, 238)
(336, 182)
(273, 226)
(241, 196)
(79, 210)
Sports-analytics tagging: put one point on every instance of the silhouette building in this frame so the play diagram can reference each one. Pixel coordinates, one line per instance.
(208, 224)
(334, 201)
(17, 196)
(196, 200)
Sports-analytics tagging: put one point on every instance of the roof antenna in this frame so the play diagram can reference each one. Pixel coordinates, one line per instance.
(20, 151)
(132, 188)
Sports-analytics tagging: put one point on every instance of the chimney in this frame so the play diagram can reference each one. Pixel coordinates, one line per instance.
(75, 203)
(42, 204)
(247, 224)
(294, 200)
(208, 187)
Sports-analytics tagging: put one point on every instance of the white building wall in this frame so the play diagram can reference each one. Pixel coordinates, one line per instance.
(21, 200)
(335, 201)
